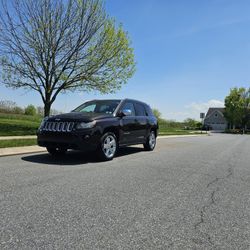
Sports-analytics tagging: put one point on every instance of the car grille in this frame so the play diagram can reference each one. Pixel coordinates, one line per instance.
(58, 126)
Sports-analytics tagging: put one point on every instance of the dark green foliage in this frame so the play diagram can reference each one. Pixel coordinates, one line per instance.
(237, 107)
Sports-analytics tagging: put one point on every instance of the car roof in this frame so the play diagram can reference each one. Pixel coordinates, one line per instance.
(120, 100)
(133, 100)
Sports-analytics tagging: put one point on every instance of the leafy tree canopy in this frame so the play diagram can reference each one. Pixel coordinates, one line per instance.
(157, 113)
(237, 106)
(55, 46)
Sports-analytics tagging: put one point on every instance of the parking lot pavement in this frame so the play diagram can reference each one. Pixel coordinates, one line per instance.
(190, 193)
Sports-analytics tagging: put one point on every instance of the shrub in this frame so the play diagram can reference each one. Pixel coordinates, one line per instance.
(30, 110)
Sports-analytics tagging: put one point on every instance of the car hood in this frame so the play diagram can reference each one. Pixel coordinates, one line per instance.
(79, 116)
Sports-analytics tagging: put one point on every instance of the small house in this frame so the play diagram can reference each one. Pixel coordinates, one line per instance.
(215, 119)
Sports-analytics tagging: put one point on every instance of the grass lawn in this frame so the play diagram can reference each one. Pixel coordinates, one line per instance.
(163, 130)
(17, 143)
(11, 124)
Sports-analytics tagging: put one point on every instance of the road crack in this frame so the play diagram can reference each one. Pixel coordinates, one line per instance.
(211, 202)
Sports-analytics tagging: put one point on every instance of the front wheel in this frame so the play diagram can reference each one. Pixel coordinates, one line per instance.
(151, 142)
(56, 151)
(108, 147)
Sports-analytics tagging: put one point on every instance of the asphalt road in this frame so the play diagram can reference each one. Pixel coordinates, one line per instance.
(190, 193)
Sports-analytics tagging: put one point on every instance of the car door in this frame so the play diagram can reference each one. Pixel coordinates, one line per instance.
(141, 122)
(128, 124)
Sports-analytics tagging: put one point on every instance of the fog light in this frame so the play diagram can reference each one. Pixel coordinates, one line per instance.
(86, 137)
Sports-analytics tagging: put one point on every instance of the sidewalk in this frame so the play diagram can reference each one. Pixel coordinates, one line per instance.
(37, 149)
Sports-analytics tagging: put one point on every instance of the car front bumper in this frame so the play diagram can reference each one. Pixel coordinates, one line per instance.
(86, 140)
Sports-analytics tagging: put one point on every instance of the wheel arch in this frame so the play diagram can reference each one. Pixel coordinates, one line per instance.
(112, 130)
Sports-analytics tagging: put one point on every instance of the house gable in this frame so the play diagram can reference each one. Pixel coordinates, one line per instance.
(215, 119)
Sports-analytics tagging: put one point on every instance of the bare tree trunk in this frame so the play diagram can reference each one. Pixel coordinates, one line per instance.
(47, 107)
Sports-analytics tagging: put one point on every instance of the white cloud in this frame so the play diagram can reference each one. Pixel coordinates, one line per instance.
(204, 106)
(194, 109)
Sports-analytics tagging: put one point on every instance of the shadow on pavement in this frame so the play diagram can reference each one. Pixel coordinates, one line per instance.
(76, 157)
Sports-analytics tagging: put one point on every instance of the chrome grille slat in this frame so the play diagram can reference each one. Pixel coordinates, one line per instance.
(58, 126)
(64, 126)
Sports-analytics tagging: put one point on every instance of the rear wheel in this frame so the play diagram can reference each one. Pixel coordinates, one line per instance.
(56, 151)
(108, 146)
(151, 142)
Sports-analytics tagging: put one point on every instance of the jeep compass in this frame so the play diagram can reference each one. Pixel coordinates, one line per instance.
(100, 125)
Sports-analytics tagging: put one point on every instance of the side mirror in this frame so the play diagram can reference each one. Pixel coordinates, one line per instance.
(125, 112)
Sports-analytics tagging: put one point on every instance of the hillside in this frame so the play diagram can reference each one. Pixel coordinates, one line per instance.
(12, 124)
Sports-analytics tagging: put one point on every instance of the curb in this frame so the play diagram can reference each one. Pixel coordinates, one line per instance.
(2, 138)
(20, 150)
(179, 136)
(36, 149)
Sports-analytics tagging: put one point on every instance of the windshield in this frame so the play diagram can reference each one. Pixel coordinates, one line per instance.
(101, 107)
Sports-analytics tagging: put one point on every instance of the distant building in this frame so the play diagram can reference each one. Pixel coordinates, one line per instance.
(215, 119)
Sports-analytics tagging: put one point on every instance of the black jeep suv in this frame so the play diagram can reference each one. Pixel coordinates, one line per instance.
(101, 125)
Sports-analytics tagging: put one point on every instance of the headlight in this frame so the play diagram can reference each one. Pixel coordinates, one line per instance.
(43, 121)
(84, 125)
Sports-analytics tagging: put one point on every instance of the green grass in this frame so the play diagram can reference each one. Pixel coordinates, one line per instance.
(17, 143)
(164, 130)
(20, 117)
(11, 124)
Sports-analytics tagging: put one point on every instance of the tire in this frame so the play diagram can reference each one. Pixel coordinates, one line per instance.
(151, 142)
(108, 147)
(56, 151)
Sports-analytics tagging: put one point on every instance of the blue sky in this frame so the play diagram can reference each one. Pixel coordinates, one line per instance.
(188, 53)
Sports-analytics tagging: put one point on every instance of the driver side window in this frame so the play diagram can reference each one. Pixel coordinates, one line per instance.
(130, 106)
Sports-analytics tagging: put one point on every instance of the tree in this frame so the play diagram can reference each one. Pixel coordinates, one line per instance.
(55, 46)
(191, 123)
(157, 113)
(237, 107)
(30, 110)
(245, 96)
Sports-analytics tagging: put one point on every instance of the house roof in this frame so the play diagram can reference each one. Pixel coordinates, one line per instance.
(212, 110)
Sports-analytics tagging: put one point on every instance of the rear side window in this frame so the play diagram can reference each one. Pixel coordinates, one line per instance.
(149, 111)
(140, 110)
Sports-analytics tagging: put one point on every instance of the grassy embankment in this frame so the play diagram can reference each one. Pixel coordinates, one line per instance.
(16, 125)
(17, 143)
